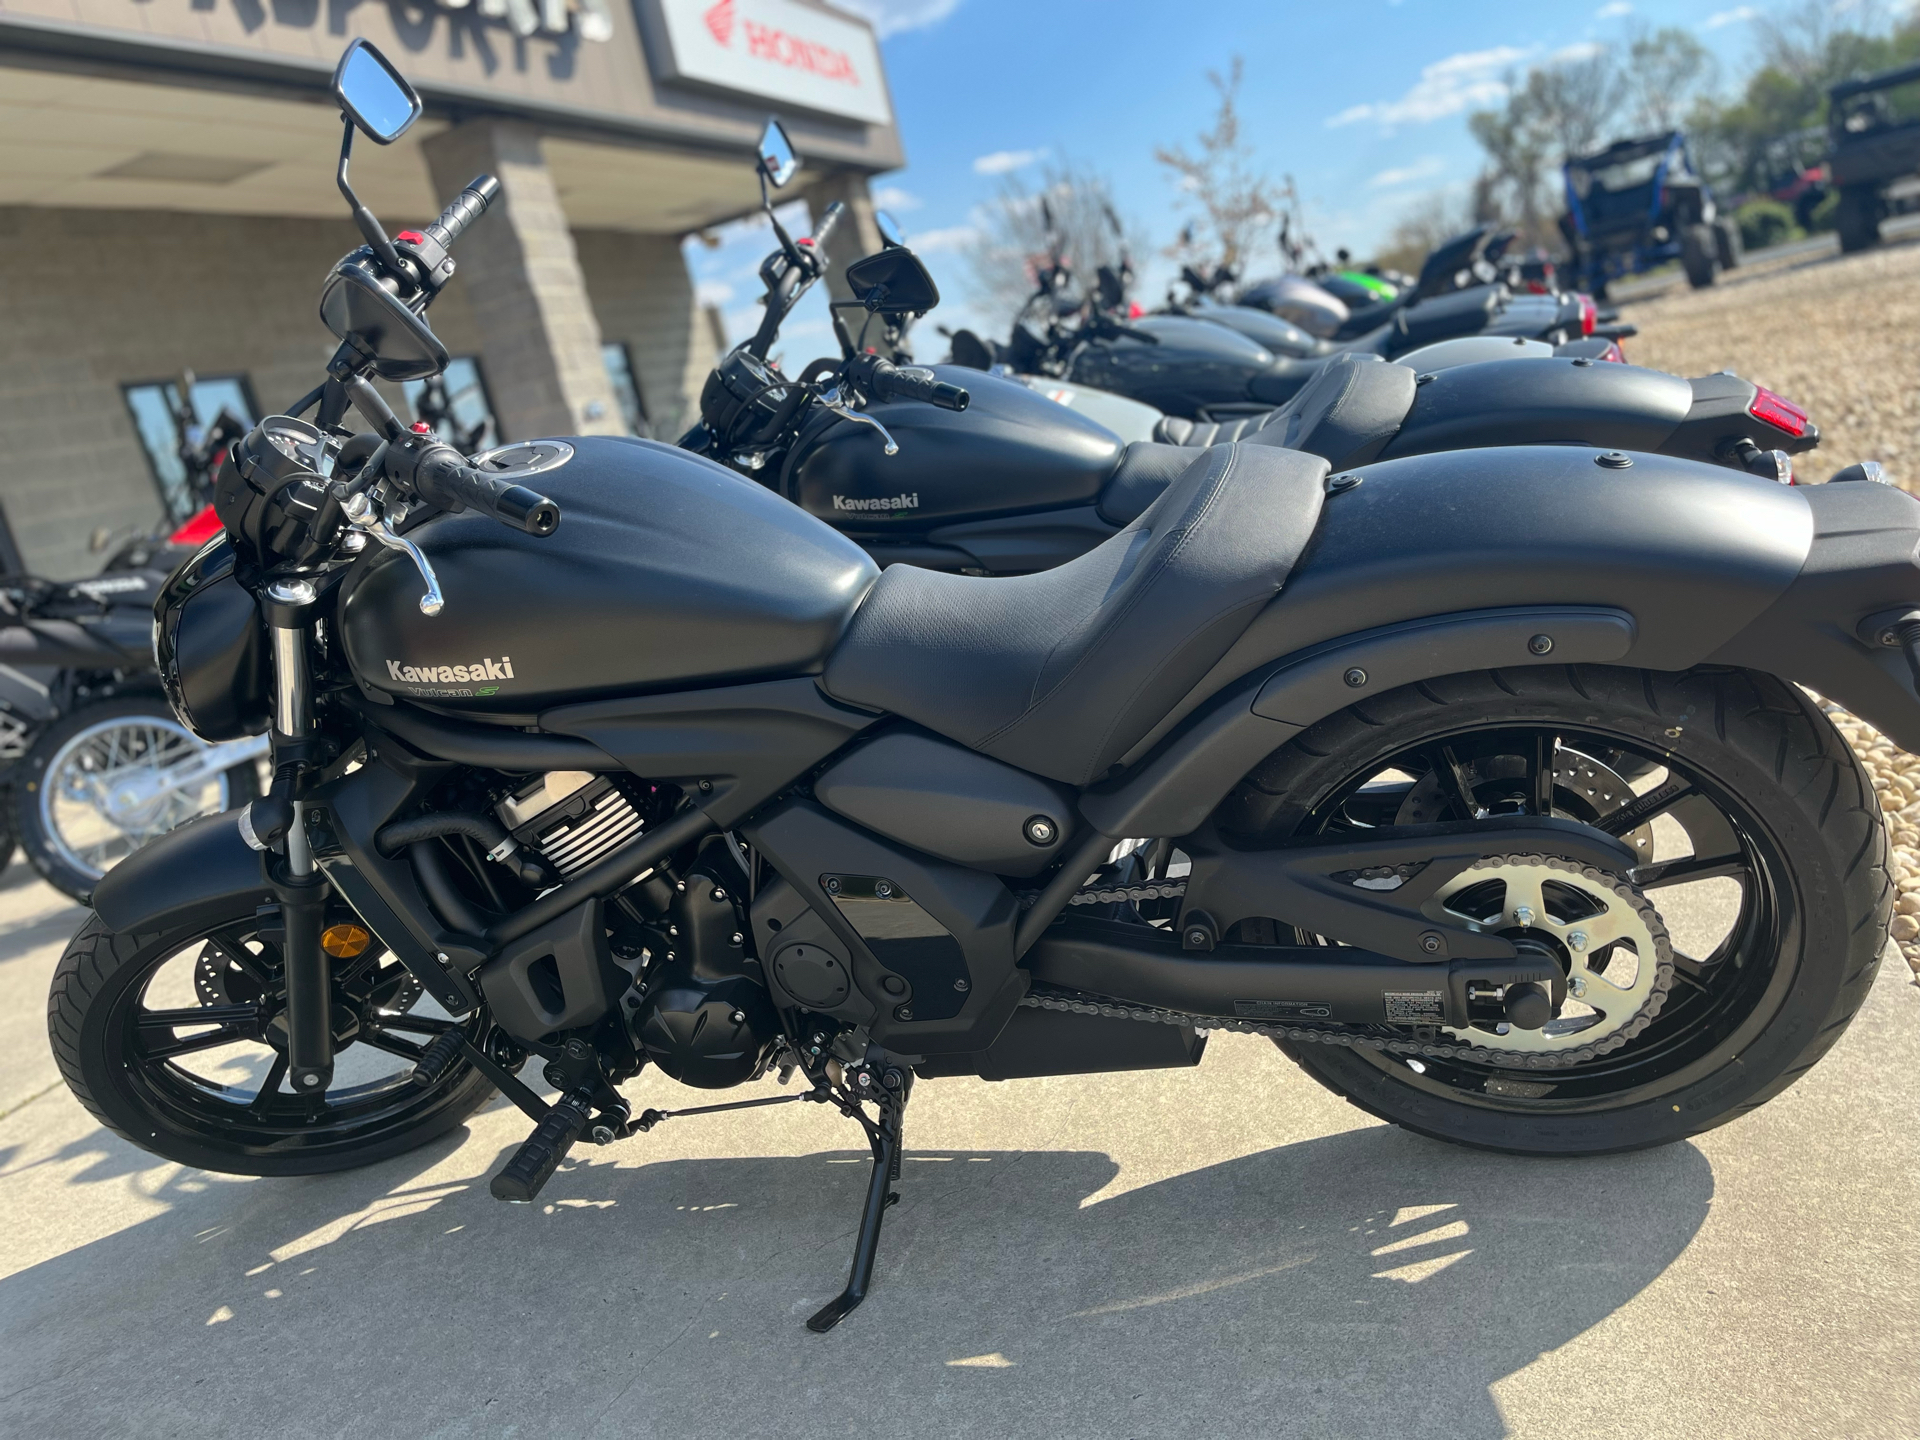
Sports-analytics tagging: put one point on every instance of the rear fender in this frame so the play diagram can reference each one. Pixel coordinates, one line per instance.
(1661, 566)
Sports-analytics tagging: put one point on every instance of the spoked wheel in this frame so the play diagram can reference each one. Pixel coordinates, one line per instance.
(1701, 982)
(102, 781)
(177, 1042)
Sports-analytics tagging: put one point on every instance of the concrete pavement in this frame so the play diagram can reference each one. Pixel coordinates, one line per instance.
(1219, 1252)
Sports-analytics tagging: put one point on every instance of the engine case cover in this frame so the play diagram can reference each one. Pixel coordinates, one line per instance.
(667, 572)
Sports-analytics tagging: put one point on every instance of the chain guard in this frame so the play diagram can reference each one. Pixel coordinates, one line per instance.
(1353, 1036)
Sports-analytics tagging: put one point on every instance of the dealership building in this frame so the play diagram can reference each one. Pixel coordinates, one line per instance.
(168, 208)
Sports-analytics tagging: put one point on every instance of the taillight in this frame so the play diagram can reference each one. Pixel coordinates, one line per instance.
(1136, 312)
(197, 531)
(1589, 315)
(1778, 411)
(1614, 353)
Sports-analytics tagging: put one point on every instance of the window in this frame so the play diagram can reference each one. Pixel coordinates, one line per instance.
(455, 404)
(626, 388)
(184, 441)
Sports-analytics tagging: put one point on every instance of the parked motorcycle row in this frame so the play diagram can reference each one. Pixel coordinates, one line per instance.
(903, 722)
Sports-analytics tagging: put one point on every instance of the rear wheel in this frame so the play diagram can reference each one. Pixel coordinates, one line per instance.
(1699, 255)
(1728, 247)
(1765, 861)
(94, 788)
(176, 1041)
(1857, 218)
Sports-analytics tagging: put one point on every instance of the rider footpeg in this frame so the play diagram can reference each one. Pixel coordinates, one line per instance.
(533, 1164)
(438, 1059)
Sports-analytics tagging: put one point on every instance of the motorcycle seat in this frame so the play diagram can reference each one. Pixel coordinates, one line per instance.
(1061, 672)
(1145, 471)
(1347, 415)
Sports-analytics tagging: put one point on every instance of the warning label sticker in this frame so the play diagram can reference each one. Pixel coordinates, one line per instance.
(1415, 1007)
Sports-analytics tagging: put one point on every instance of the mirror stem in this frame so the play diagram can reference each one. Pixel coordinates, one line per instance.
(369, 402)
(364, 218)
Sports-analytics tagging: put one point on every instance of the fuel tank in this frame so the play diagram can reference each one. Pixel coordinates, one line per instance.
(1011, 450)
(1266, 330)
(1193, 364)
(667, 572)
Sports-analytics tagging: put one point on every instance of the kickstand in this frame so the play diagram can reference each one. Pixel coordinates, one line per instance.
(883, 1137)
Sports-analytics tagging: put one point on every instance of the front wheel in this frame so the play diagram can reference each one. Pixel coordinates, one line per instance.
(1762, 892)
(106, 778)
(176, 1041)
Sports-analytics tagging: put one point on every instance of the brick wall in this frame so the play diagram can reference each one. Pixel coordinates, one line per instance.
(643, 298)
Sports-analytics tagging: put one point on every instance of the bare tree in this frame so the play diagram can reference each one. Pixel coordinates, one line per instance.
(1232, 202)
(1556, 111)
(1667, 70)
(1071, 207)
(1425, 223)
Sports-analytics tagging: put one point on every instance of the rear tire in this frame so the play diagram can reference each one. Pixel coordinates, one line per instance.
(1816, 886)
(1728, 247)
(1857, 218)
(1699, 255)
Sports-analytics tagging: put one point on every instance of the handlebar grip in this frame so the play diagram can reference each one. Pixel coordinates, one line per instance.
(446, 480)
(892, 382)
(824, 231)
(468, 206)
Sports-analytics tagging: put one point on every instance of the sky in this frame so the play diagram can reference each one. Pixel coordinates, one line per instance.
(1363, 102)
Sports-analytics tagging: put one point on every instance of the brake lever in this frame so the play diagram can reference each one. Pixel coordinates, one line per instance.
(362, 515)
(831, 399)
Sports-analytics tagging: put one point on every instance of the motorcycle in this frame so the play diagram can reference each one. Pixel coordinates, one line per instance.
(92, 761)
(1033, 472)
(647, 766)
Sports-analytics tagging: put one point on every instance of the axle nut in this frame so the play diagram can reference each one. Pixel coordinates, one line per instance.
(1355, 677)
(1040, 830)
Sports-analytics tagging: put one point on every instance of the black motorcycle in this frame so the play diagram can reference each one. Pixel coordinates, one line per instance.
(998, 478)
(649, 766)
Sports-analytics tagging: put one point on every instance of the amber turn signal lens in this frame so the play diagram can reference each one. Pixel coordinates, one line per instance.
(343, 942)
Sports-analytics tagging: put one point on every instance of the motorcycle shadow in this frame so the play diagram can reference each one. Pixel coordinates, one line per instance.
(1368, 1282)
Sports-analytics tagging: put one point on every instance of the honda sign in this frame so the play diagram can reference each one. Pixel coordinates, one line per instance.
(792, 54)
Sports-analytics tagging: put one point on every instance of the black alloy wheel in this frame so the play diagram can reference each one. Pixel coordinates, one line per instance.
(176, 1042)
(1763, 850)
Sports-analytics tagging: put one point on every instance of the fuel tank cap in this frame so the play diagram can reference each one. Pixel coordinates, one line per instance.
(527, 457)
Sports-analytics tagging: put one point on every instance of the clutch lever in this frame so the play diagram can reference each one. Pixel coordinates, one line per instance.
(362, 514)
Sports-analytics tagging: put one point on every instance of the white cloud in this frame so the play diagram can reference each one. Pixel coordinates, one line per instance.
(1575, 53)
(951, 237)
(1613, 10)
(1424, 168)
(712, 292)
(1446, 87)
(1739, 15)
(1001, 162)
(890, 17)
(892, 197)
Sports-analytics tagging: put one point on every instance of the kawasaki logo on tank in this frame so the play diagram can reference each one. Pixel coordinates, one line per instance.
(884, 502)
(488, 669)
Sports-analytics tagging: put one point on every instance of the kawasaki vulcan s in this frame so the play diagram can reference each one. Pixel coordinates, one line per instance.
(625, 761)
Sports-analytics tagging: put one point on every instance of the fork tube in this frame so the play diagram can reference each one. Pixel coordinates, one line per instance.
(302, 891)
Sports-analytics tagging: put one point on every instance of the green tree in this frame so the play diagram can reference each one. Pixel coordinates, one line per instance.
(1666, 70)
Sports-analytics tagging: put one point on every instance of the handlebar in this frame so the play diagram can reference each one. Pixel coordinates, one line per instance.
(888, 381)
(441, 477)
(824, 230)
(468, 206)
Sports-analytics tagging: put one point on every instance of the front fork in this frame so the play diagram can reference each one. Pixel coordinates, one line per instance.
(297, 882)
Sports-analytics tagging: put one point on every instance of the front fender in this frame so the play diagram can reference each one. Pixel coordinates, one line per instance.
(202, 865)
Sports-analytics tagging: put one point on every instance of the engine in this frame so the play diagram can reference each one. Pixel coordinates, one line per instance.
(698, 1007)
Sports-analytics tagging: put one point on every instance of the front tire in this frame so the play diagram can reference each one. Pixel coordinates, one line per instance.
(62, 802)
(174, 1040)
(1772, 791)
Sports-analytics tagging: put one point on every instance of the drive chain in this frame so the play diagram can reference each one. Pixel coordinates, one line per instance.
(1360, 1038)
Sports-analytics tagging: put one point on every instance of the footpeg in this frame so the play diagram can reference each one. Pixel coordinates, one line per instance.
(432, 1066)
(533, 1164)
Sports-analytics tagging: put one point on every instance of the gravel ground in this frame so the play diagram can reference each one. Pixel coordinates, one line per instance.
(1840, 336)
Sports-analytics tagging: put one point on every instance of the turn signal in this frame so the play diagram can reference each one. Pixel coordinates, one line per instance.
(1778, 412)
(1589, 314)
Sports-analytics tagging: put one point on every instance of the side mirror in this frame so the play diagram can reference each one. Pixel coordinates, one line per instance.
(891, 235)
(893, 282)
(374, 95)
(777, 160)
(359, 309)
